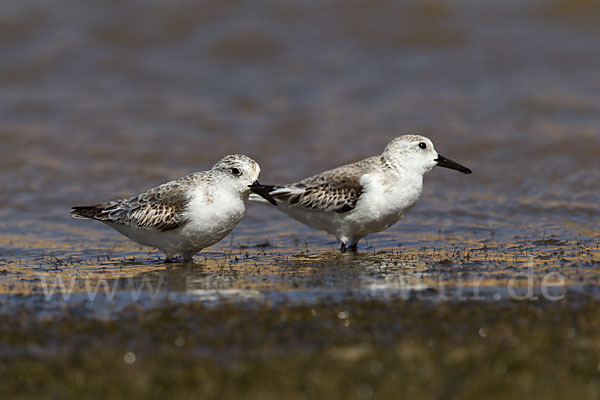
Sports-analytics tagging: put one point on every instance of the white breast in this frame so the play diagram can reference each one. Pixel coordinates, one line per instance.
(384, 201)
(213, 214)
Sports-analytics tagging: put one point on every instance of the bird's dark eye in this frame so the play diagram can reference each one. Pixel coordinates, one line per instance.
(236, 171)
(422, 145)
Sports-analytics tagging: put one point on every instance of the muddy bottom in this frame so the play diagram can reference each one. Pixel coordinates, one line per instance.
(450, 318)
(359, 349)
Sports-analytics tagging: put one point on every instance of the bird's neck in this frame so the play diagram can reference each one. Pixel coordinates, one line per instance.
(400, 171)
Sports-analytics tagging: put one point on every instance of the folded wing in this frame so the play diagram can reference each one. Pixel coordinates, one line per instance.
(337, 191)
(162, 208)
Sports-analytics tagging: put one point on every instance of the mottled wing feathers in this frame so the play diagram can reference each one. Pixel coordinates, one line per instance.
(339, 197)
(161, 208)
(337, 190)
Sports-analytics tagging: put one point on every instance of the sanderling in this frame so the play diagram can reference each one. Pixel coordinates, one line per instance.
(188, 214)
(367, 196)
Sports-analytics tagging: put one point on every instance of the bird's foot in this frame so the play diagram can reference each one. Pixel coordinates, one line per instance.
(184, 257)
(353, 248)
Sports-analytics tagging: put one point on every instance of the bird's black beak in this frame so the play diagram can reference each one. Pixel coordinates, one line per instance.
(444, 162)
(262, 192)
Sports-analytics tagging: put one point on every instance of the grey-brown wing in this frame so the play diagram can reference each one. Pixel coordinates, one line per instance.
(337, 190)
(161, 208)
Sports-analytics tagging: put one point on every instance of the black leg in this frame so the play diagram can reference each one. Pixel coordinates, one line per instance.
(343, 248)
(353, 246)
(188, 256)
(169, 259)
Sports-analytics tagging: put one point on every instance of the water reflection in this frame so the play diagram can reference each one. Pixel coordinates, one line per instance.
(451, 270)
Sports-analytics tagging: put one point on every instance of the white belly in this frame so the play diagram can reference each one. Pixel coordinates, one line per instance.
(380, 206)
(210, 220)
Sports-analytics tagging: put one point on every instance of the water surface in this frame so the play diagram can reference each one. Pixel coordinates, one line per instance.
(106, 99)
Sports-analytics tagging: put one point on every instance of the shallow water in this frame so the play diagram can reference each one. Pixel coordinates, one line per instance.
(103, 99)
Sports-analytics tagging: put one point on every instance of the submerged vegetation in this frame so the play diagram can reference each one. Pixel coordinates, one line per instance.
(359, 349)
(311, 323)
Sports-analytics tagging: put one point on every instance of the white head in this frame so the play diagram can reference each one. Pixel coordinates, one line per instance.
(416, 153)
(242, 172)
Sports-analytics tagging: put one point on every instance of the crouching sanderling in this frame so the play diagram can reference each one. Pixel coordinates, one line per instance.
(188, 214)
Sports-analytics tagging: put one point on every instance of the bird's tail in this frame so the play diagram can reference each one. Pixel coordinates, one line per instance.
(282, 194)
(86, 212)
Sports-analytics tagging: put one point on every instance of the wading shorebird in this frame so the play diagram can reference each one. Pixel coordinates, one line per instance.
(188, 214)
(364, 197)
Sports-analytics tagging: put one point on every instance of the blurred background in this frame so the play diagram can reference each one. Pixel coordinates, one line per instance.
(103, 99)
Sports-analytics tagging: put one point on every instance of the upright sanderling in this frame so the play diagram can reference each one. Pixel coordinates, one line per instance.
(188, 214)
(367, 196)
